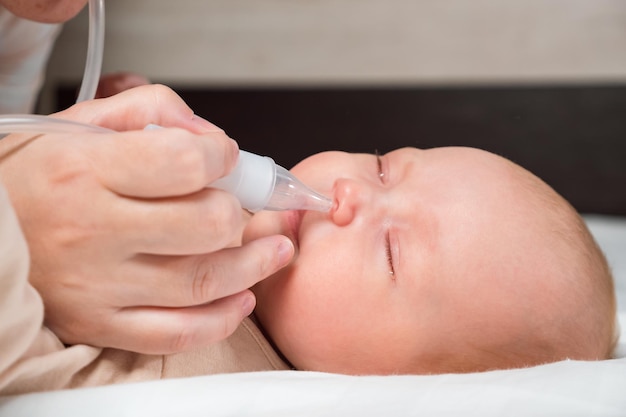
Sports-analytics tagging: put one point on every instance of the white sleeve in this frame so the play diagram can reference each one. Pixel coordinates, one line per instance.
(24, 50)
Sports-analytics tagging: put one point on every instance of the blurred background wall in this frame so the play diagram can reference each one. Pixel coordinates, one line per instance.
(381, 42)
(542, 82)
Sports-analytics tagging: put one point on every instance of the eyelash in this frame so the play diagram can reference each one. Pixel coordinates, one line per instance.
(379, 162)
(389, 256)
(381, 175)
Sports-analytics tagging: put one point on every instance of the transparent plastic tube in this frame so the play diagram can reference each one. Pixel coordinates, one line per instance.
(95, 51)
(257, 181)
(33, 123)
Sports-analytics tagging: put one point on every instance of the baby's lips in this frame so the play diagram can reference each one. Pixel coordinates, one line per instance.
(294, 221)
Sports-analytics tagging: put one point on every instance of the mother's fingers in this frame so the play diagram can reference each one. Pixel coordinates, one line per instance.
(157, 330)
(160, 162)
(197, 223)
(135, 108)
(196, 280)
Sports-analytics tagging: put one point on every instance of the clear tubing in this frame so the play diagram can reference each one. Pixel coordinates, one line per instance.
(95, 51)
(33, 123)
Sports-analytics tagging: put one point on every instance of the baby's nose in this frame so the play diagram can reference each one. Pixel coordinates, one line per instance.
(350, 196)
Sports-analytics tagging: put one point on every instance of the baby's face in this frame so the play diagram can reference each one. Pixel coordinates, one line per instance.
(416, 263)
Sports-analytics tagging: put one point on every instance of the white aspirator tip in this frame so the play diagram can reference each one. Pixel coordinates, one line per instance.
(260, 184)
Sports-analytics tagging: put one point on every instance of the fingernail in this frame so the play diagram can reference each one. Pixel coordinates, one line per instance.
(248, 305)
(234, 157)
(285, 252)
(205, 125)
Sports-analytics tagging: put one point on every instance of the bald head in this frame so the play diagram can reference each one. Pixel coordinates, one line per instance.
(559, 296)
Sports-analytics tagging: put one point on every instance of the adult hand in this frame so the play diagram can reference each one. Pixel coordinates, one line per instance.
(129, 249)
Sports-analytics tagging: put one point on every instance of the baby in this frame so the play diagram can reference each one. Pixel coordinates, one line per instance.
(430, 261)
(433, 261)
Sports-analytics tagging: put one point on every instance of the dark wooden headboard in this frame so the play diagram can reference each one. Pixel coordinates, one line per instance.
(573, 137)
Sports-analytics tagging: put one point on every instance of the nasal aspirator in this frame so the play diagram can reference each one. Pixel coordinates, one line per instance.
(260, 184)
(257, 181)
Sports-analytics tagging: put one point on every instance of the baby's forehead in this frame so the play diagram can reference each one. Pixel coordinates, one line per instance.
(468, 158)
(475, 154)
(473, 168)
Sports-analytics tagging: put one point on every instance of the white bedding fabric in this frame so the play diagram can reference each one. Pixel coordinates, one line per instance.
(568, 388)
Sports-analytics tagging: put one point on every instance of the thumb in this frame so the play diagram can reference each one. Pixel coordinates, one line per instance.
(138, 107)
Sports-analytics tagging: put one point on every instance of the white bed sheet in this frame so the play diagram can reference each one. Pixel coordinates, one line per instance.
(568, 388)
